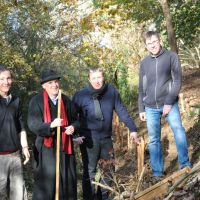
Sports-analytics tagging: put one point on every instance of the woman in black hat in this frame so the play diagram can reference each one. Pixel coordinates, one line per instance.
(43, 122)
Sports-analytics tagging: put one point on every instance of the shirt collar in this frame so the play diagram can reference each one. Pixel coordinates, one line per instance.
(54, 100)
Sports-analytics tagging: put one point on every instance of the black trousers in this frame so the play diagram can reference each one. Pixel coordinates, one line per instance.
(97, 154)
(45, 175)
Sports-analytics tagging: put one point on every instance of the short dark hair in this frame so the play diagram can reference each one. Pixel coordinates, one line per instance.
(3, 68)
(149, 34)
(96, 69)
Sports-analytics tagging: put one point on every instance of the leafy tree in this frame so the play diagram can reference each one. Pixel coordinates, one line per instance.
(185, 15)
(187, 24)
(44, 34)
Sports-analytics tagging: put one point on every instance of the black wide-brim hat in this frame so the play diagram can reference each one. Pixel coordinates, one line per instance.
(49, 75)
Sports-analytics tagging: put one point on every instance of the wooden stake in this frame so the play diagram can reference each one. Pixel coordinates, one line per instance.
(128, 139)
(121, 135)
(58, 149)
(117, 131)
(140, 156)
(140, 179)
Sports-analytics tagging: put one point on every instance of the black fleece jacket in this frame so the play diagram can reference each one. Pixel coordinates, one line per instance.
(159, 80)
(11, 124)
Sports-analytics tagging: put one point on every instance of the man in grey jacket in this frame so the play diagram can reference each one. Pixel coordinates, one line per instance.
(159, 86)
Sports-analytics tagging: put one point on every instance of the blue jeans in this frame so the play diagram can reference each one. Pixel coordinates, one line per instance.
(96, 152)
(154, 130)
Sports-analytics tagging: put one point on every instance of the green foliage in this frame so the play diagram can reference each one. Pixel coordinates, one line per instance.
(37, 35)
(186, 20)
(128, 93)
(142, 10)
(21, 71)
(190, 56)
(185, 15)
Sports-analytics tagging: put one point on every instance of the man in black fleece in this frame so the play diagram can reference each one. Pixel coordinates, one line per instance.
(12, 139)
(95, 105)
(159, 86)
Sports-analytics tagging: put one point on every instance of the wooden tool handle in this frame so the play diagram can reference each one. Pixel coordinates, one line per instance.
(58, 149)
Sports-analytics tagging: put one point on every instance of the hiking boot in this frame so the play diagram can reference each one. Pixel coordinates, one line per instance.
(157, 179)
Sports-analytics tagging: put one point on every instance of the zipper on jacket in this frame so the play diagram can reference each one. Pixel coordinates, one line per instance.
(156, 82)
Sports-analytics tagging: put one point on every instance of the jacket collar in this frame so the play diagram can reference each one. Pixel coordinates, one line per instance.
(8, 99)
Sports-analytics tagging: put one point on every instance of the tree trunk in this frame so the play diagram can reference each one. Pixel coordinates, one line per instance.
(170, 29)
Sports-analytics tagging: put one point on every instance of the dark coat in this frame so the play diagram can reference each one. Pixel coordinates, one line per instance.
(45, 158)
(109, 101)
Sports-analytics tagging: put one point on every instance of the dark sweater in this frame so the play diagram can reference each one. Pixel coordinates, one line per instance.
(109, 101)
(11, 124)
(159, 80)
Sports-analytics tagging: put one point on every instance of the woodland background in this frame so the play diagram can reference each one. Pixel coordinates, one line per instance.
(71, 36)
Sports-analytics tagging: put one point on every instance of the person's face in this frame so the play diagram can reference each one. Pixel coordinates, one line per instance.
(5, 82)
(153, 45)
(52, 87)
(96, 79)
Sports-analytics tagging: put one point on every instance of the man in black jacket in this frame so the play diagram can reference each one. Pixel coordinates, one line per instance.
(43, 122)
(159, 86)
(95, 105)
(12, 138)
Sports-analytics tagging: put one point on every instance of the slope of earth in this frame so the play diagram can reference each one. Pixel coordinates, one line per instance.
(190, 110)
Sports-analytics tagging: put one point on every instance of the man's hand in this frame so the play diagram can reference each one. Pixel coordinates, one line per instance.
(79, 140)
(24, 144)
(166, 109)
(142, 116)
(133, 136)
(69, 130)
(56, 123)
(26, 154)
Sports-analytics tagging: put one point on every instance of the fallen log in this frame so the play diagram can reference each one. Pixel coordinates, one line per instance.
(162, 187)
(182, 180)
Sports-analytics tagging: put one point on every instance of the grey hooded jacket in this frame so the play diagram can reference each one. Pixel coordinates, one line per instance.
(159, 80)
